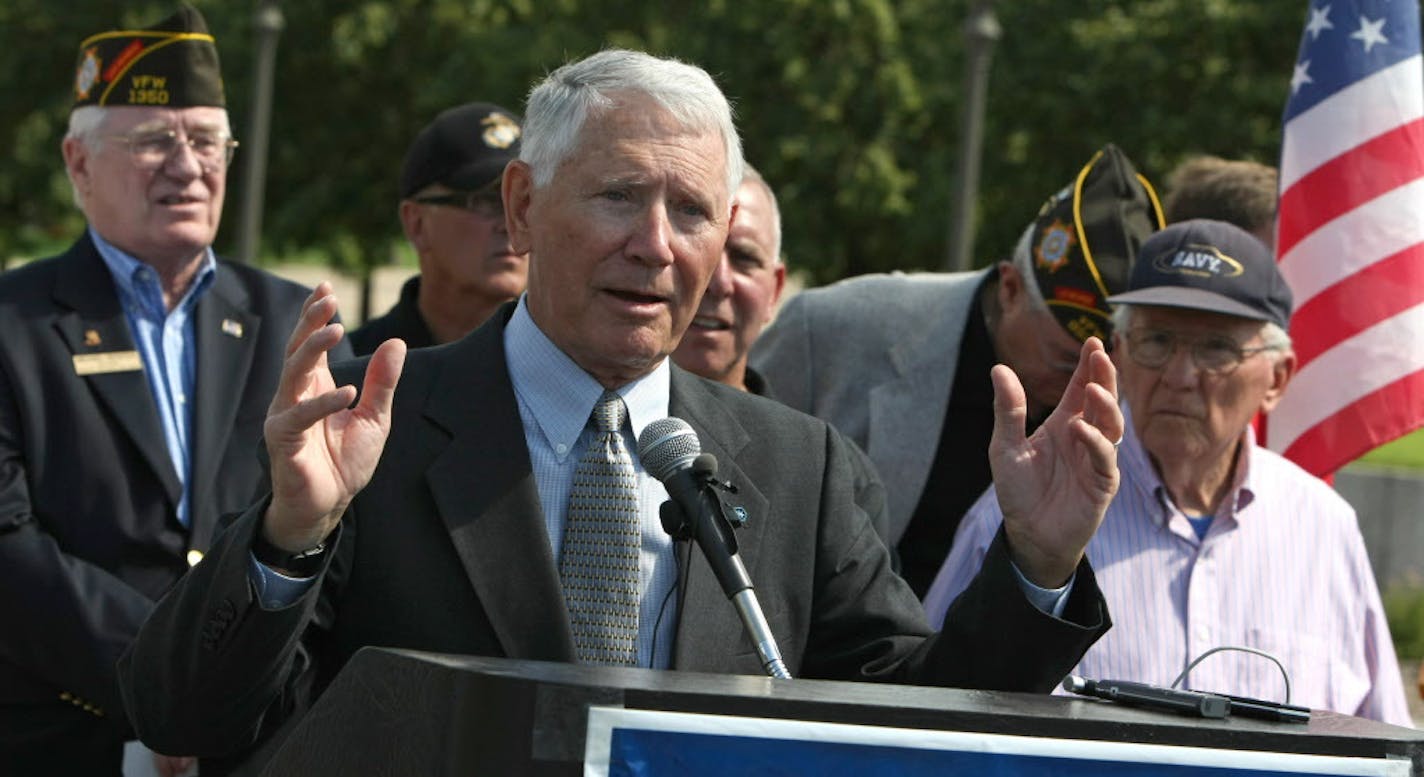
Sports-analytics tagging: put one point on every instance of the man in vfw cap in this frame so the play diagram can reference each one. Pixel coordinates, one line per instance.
(1212, 540)
(452, 214)
(900, 363)
(135, 372)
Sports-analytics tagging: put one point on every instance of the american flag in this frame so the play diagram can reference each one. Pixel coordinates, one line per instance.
(1350, 236)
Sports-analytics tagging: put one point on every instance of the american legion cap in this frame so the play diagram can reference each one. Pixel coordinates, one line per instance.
(173, 64)
(464, 148)
(1085, 238)
(1213, 266)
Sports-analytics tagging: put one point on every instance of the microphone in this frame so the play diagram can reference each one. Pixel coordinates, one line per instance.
(1205, 705)
(671, 452)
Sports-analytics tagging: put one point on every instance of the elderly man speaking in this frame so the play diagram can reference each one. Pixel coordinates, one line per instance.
(1214, 541)
(453, 508)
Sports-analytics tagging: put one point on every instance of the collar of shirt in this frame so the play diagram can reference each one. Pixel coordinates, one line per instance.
(562, 395)
(1138, 473)
(138, 284)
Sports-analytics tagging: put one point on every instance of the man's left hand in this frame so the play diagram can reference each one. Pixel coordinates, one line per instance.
(1055, 486)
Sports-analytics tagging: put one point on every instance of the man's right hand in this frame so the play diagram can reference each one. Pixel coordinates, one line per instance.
(323, 450)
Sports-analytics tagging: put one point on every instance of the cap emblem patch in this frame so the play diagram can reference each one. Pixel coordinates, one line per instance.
(500, 131)
(1202, 261)
(88, 74)
(1053, 246)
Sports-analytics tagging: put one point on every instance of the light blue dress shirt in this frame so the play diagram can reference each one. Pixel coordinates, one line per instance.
(166, 343)
(556, 399)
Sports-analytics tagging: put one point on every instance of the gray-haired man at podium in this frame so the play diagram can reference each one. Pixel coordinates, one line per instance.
(459, 512)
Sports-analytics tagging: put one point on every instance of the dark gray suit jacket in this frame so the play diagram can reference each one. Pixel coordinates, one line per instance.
(446, 550)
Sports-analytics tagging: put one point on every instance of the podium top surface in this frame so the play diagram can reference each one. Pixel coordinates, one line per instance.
(448, 712)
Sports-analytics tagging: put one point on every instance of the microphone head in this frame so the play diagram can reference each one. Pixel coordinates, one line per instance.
(666, 446)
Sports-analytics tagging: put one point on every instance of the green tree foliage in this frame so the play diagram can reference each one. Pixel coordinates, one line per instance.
(850, 107)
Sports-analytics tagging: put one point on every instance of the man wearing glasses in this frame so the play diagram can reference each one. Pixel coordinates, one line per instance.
(1212, 540)
(135, 372)
(453, 216)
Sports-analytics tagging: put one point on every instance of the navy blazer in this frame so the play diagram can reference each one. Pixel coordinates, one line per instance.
(89, 534)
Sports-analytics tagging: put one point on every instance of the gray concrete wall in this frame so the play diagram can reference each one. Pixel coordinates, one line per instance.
(1390, 504)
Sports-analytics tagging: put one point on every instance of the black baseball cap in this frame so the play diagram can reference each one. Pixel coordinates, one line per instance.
(173, 64)
(1083, 242)
(1209, 265)
(464, 148)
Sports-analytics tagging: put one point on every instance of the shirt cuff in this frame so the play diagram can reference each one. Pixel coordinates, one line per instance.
(275, 590)
(1050, 600)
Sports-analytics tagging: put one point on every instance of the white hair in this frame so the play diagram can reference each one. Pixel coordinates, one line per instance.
(1271, 333)
(752, 175)
(559, 105)
(1023, 262)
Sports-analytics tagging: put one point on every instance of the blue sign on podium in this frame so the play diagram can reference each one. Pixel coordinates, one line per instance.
(624, 743)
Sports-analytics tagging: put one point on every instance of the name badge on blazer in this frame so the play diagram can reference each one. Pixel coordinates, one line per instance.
(109, 361)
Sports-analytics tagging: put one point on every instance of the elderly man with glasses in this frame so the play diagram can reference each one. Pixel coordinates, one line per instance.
(453, 216)
(135, 372)
(1213, 541)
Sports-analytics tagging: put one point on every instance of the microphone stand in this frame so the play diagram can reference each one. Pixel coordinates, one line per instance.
(712, 531)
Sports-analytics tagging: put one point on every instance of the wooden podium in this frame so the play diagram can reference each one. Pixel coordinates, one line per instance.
(399, 712)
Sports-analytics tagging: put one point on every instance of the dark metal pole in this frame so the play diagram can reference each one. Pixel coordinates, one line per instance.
(981, 31)
(269, 27)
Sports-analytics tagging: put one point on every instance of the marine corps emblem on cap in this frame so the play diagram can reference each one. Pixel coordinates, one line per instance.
(172, 64)
(500, 131)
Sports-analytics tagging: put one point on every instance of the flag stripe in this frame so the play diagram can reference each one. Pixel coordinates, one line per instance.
(1350, 180)
(1359, 427)
(1377, 230)
(1339, 122)
(1377, 292)
(1348, 372)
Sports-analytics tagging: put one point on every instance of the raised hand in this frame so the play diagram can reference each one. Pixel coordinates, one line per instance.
(1055, 486)
(323, 450)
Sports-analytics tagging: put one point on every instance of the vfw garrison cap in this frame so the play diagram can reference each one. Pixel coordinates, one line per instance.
(172, 64)
(1083, 242)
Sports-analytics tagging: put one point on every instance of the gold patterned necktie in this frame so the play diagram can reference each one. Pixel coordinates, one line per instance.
(598, 564)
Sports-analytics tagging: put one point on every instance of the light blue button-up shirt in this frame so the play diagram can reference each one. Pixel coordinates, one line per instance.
(556, 398)
(166, 342)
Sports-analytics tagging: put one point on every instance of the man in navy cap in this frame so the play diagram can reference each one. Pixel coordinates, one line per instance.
(1213, 540)
(135, 372)
(452, 214)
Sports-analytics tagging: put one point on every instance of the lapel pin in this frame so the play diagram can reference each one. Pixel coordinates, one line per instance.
(91, 337)
(231, 327)
(739, 516)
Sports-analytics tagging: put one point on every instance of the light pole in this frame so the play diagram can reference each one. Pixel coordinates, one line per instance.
(981, 32)
(269, 23)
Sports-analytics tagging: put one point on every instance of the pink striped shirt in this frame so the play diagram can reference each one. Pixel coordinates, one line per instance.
(1282, 569)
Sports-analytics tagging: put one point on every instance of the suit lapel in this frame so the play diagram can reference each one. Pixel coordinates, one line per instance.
(226, 338)
(716, 632)
(485, 492)
(907, 410)
(94, 323)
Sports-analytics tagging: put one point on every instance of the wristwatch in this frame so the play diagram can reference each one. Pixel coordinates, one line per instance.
(302, 563)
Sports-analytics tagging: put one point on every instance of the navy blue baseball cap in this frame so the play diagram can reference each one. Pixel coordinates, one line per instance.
(1209, 265)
